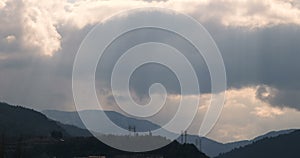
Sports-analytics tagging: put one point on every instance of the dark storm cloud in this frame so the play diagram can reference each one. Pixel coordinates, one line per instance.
(279, 98)
(267, 56)
(148, 74)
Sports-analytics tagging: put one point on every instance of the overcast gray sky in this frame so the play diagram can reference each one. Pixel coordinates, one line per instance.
(259, 42)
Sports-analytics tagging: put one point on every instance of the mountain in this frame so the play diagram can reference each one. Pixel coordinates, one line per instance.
(213, 148)
(72, 118)
(17, 121)
(208, 146)
(88, 146)
(175, 150)
(35, 130)
(273, 134)
(284, 145)
(75, 131)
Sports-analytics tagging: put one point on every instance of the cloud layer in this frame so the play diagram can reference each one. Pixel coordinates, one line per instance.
(267, 55)
(37, 23)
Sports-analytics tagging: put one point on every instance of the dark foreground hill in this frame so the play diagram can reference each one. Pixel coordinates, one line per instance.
(90, 146)
(286, 145)
(17, 121)
(29, 134)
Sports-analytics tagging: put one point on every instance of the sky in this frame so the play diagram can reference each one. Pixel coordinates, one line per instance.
(258, 40)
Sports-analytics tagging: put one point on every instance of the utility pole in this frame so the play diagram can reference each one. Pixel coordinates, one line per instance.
(181, 137)
(185, 136)
(134, 131)
(129, 129)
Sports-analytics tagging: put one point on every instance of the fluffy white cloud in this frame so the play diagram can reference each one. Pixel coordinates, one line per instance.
(40, 22)
(2, 4)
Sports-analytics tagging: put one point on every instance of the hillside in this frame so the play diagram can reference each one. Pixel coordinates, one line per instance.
(83, 147)
(35, 130)
(213, 148)
(72, 118)
(74, 131)
(208, 146)
(285, 145)
(16, 121)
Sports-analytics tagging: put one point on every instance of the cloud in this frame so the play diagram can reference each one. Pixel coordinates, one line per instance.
(39, 22)
(39, 26)
(279, 98)
(259, 13)
(241, 13)
(267, 112)
(244, 116)
(10, 38)
(267, 55)
(2, 4)
(34, 23)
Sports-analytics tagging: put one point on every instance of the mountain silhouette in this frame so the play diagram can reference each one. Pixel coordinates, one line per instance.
(37, 132)
(285, 145)
(213, 148)
(208, 146)
(84, 147)
(16, 121)
(72, 118)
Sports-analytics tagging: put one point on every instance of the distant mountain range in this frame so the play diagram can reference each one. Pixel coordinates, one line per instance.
(209, 147)
(72, 118)
(17, 121)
